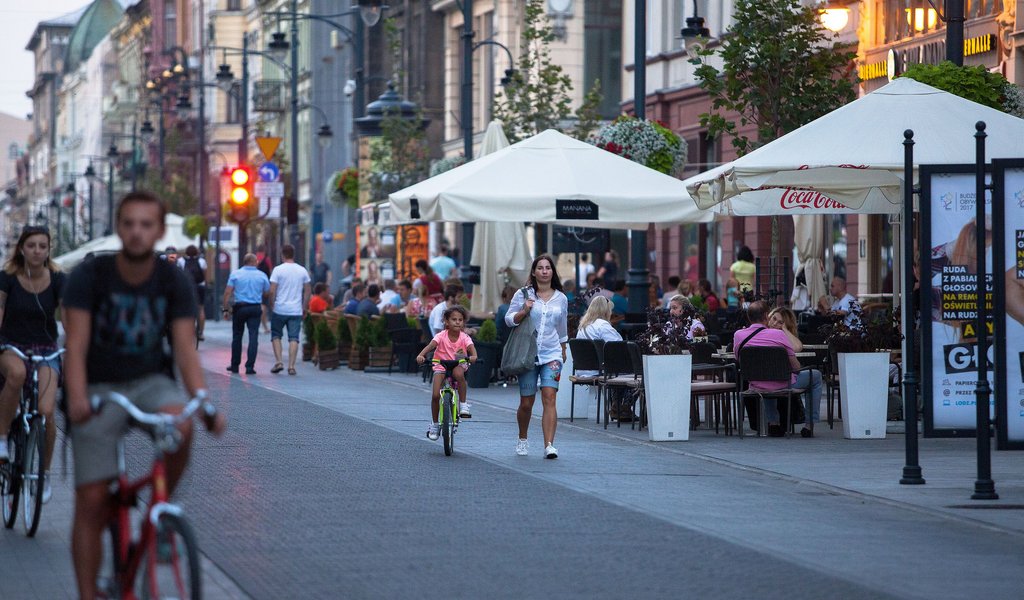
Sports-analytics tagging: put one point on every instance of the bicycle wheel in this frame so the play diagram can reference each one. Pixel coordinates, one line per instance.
(11, 483)
(33, 476)
(447, 422)
(174, 571)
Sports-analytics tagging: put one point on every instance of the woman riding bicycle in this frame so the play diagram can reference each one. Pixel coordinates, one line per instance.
(30, 293)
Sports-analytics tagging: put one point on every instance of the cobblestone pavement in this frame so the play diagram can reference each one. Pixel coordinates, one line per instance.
(325, 487)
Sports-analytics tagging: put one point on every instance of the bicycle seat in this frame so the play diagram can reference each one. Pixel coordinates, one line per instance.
(448, 364)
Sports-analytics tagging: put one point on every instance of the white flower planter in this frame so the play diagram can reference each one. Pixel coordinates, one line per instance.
(864, 393)
(667, 391)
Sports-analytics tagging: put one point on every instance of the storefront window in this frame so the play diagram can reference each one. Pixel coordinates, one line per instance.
(602, 52)
(908, 18)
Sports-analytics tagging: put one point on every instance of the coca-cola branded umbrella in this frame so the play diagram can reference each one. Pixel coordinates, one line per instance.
(854, 154)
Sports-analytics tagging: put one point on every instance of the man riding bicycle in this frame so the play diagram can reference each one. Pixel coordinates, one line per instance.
(117, 311)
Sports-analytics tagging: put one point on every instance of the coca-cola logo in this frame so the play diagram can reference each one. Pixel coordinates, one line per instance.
(806, 199)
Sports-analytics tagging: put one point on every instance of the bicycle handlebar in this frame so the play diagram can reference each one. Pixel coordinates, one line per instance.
(154, 420)
(36, 358)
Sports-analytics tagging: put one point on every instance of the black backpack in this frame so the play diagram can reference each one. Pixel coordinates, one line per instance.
(193, 268)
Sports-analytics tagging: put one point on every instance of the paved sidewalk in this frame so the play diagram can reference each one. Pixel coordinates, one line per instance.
(837, 504)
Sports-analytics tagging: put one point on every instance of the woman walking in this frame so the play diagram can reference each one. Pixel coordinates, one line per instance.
(547, 308)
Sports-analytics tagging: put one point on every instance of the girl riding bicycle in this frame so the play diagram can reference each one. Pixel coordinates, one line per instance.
(30, 293)
(450, 344)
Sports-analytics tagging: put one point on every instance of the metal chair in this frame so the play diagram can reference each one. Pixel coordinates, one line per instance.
(830, 377)
(769, 363)
(404, 342)
(619, 373)
(585, 357)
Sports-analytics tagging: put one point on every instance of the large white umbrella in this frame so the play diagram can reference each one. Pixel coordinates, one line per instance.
(529, 179)
(500, 249)
(174, 236)
(854, 154)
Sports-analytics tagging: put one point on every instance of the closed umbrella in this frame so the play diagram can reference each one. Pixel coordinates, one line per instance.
(501, 250)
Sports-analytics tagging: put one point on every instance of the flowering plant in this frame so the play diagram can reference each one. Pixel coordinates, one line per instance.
(650, 143)
(345, 186)
(447, 164)
(865, 333)
(666, 334)
(1013, 100)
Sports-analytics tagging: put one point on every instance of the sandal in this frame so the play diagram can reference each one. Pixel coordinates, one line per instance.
(278, 367)
(291, 370)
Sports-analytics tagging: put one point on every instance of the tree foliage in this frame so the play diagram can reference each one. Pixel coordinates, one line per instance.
(780, 71)
(538, 95)
(976, 84)
(400, 157)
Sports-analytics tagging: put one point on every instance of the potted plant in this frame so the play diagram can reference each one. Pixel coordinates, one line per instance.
(487, 351)
(668, 369)
(344, 340)
(308, 338)
(345, 187)
(327, 347)
(380, 353)
(361, 343)
(862, 349)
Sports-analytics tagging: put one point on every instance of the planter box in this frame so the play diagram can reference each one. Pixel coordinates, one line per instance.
(328, 359)
(379, 357)
(479, 374)
(357, 358)
(667, 391)
(307, 352)
(344, 351)
(864, 393)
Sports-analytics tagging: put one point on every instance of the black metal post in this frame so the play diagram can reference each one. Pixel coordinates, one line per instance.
(110, 197)
(91, 201)
(204, 171)
(294, 143)
(911, 470)
(163, 135)
(955, 32)
(638, 274)
(135, 153)
(360, 94)
(468, 229)
(984, 487)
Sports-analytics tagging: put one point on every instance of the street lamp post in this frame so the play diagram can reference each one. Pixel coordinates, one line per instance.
(111, 156)
(637, 277)
(90, 176)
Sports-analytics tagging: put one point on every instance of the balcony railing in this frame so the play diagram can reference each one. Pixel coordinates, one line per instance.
(268, 96)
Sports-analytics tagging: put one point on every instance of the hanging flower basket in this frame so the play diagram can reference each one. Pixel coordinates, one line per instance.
(650, 143)
(345, 187)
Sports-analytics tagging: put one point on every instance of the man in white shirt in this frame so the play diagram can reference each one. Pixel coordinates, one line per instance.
(844, 303)
(289, 300)
(389, 297)
(436, 320)
(443, 264)
(586, 268)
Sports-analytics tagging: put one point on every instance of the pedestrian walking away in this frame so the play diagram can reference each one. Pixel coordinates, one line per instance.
(108, 353)
(450, 344)
(246, 290)
(195, 267)
(547, 308)
(289, 301)
(31, 286)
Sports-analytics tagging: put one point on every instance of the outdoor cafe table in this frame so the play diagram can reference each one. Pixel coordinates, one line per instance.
(815, 346)
(732, 355)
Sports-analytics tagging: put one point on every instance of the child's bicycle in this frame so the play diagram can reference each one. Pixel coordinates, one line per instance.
(23, 475)
(448, 406)
(164, 550)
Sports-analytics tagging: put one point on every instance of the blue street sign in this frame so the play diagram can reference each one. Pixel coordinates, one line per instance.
(328, 236)
(268, 171)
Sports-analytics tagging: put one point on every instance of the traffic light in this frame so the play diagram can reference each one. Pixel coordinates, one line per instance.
(240, 196)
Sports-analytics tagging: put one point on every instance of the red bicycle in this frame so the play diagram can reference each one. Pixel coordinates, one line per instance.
(165, 548)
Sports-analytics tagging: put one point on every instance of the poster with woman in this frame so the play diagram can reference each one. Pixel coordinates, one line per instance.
(949, 300)
(375, 261)
(1008, 213)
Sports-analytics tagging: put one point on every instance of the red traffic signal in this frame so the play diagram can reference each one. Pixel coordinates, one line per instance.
(240, 194)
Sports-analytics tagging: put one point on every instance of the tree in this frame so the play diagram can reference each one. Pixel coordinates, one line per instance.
(780, 72)
(538, 95)
(976, 84)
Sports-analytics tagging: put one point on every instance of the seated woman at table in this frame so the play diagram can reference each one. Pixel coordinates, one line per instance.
(595, 324)
(678, 307)
(785, 319)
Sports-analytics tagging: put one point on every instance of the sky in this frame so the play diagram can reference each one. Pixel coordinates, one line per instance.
(18, 19)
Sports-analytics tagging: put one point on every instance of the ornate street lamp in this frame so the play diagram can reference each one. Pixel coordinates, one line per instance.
(370, 11)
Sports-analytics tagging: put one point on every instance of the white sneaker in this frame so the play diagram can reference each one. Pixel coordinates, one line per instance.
(550, 452)
(47, 490)
(522, 447)
(464, 411)
(433, 432)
